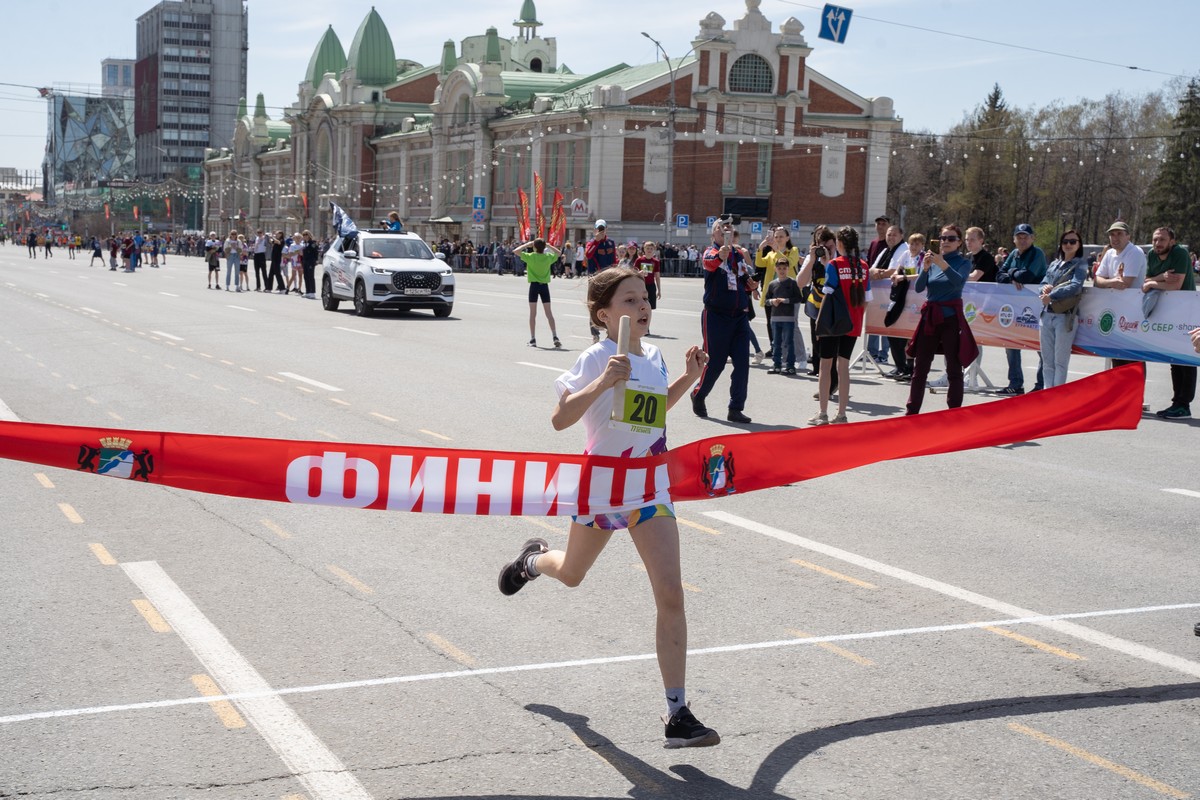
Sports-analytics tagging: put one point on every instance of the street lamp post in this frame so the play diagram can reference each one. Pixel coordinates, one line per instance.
(670, 215)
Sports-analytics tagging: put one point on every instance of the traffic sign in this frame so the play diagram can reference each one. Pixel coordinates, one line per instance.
(681, 220)
(710, 221)
(479, 202)
(835, 22)
(795, 224)
(477, 217)
(756, 227)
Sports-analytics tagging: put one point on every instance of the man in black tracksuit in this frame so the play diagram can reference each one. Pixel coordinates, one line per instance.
(725, 321)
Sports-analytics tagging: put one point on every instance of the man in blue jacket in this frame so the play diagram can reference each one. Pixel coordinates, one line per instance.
(1025, 265)
(725, 321)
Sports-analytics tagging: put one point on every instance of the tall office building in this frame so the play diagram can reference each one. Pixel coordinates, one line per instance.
(188, 80)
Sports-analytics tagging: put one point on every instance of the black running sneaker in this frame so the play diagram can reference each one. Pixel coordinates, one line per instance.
(684, 730)
(513, 576)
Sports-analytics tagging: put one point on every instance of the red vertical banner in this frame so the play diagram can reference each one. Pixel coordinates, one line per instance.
(304, 199)
(168, 200)
(135, 212)
(538, 201)
(558, 221)
(523, 215)
(107, 213)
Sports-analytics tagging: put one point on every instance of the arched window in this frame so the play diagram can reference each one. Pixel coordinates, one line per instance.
(464, 110)
(751, 73)
(535, 65)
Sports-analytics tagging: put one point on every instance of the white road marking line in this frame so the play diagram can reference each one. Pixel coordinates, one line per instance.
(1067, 628)
(584, 662)
(1184, 492)
(310, 382)
(39, 294)
(314, 765)
(540, 366)
(352, 330)
(384, 417)
(117, 283)
(468, 303)
(168, 294)
(168, 336)
(88, 310)
(7, 413)
(239, 308)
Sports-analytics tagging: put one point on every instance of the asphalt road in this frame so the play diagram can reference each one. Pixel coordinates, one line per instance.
(1013, 622)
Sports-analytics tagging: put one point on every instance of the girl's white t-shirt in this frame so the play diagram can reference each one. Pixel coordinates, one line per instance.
(602, 439)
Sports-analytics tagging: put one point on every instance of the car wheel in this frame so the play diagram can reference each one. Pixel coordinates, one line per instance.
(443, 311)
(361, 307)
(328, 301)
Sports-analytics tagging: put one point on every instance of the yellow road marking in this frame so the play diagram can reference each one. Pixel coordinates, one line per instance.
(220, 387)
(338, 400)
(277, 380)
(296, 796)
(832, 574)
(251, 401)
(331, 436)
(350, 579)
(697, 526)
(101, 553)
(70, 513)
(116, 416)
(833, 648)
(72, 387)
(306, 389)
(190, 375)
(169, 366)
(151, 615)
(226, 363)
(541, 523)
(450, 650)
(1045, 648)
(249, 369)
(1092, 758)
(224, 709)
(275, 529)
(92, 400)
(205, 355)
(383, 416)
(43, 480)
(435, 435)
(189, 349)
(288, 417)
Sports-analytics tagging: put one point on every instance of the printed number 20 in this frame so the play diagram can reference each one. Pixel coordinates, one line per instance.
(645, 409)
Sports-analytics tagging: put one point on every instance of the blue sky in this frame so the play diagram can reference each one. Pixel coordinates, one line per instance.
(933, 77)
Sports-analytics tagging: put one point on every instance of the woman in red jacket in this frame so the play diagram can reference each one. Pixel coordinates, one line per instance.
(846, 274)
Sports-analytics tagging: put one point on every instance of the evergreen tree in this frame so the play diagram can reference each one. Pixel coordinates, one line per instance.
(1175, 193)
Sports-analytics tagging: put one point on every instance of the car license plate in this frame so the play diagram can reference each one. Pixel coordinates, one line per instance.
(418, 291)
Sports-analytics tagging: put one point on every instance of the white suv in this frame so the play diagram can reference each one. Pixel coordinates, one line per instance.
(381, 269)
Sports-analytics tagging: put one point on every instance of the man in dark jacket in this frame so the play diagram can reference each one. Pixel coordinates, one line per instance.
(1025, 265)
(725, 321)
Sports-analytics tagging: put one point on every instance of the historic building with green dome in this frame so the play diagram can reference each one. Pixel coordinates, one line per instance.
(756, 130)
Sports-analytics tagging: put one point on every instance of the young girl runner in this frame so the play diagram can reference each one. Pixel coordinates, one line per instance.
(585, 392)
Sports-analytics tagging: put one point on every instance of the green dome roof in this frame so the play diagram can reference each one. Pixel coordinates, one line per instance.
(260, 106)
(371, 53)
(528, 12)
(328, 57)
(241, 110)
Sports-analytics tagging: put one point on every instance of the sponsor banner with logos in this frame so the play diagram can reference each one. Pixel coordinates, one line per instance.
(1111, 322)
(445, 481)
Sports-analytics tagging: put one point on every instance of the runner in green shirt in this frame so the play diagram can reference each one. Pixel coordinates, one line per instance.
(537, 270)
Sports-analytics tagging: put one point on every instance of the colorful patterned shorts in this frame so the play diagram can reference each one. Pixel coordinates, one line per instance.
(626, 519)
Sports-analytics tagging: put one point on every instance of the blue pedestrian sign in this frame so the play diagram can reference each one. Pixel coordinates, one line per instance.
(835, 21)
(681, 220)
(795, 224)
(479, 203)
(756, 227)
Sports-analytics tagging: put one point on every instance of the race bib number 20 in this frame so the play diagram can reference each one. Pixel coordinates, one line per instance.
(642, 409)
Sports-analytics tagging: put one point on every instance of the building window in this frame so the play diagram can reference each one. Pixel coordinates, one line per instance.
(751, 73)
(587, 162)
(763, 182)
(729, 168)
(552, 164)
(570, 164)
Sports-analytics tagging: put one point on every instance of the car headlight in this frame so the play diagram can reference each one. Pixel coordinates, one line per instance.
(381, 271)
(446, 271)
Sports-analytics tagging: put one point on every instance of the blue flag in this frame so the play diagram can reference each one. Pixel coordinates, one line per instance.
(342, 223)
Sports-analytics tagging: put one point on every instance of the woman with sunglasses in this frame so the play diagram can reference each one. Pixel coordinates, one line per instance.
(943, 326)
(1061, 288)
